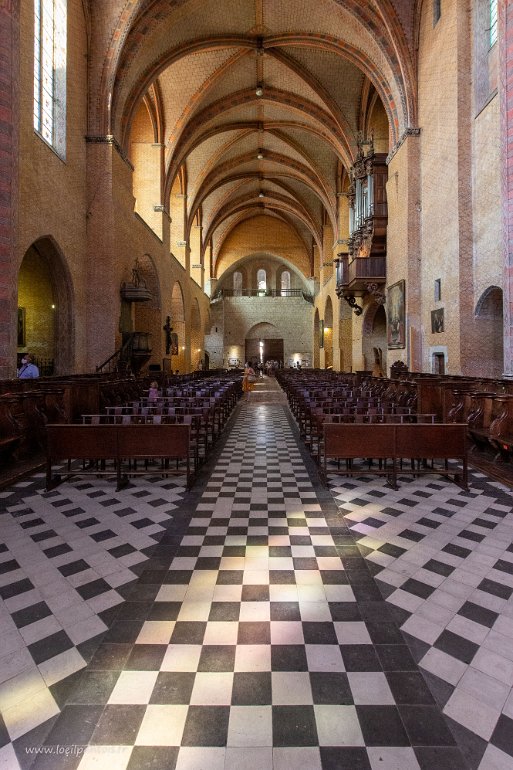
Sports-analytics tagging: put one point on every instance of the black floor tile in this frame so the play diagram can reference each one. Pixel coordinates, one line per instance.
(217, 658)
(118, 725)
(124, 631)
(255, 593)
(110, 657)
(74, 725)
(382, 726)
(395, 657)
(153, 758)
(503, 735)
(252, 688)
(478, 614)
(188, 632)
(319, 633)
(409, 687)
(254, 633)
(206, 726)
(344, 758)
(50, 646)
(360, 657)
(4, 734)
(440, 758)
(417, 588)
(341, 611)
(94, 688)
(294, 726)
(288, 657)
(31, 614)
(330, 688)
(457, 646)
(173, 687)
(146, 657)
(426, 726)
(496, 589)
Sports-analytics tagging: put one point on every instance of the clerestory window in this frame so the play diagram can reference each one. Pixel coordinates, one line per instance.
(261, 282)
(50, 20)
(493, 22)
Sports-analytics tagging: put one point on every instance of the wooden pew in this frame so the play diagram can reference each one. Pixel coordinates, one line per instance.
(395, 442)
(97, 445)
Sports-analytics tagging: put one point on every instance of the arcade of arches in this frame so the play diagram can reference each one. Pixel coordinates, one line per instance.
(215, 147)
(200, 182)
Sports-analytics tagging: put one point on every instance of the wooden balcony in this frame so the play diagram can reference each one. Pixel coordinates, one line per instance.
(354, 276)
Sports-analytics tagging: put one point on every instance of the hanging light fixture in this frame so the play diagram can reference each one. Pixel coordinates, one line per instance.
(259, 91)
(261, 194)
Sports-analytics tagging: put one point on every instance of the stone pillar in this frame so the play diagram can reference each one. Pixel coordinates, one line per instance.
(403, 241)
(505, 42)
(9, 131)
(357, 348)
(104, 273)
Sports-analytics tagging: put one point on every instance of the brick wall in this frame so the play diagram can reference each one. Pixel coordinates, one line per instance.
(9, 115)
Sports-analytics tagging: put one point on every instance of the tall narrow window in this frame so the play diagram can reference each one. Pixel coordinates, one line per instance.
(493, 22)
(237, 284)
(50, 72)
(261, 282)
(437, 11)
(285, 283)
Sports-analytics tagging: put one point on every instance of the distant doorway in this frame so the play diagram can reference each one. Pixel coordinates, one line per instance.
(438, 363)
(264, 350)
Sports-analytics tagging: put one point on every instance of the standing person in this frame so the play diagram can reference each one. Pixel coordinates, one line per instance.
(153, 392)
(28, 370)
(248, 380)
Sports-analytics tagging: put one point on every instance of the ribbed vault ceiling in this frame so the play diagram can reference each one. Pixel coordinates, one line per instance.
(259, 103)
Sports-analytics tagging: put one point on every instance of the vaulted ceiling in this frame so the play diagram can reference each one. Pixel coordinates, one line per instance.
(259, 103)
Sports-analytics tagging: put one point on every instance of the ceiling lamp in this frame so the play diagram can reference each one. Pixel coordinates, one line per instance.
(259, 90)
(260, 155)
(261, 194)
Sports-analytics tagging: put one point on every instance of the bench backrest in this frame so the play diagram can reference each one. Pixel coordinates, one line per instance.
(416, 440)
(98, 441)
(425, 440)
(153, 440)
(110, 441)
(354, 440)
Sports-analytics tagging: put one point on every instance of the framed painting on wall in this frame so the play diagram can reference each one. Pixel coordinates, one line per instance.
(437, 321)
(396, 316)
(22, 335)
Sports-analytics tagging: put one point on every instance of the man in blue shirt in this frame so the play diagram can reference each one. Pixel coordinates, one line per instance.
(27, 370)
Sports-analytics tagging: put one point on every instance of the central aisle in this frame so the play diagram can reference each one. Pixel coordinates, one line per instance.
(263, 643)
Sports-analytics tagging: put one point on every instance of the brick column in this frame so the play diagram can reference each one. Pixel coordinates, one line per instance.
(9, 120)
(505, 43)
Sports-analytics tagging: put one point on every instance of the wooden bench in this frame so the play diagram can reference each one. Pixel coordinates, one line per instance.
(391, 443)
(113, 450)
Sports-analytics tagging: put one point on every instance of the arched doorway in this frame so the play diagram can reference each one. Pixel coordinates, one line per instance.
(148, 315)
(178, 361)
(328, 334)
(488, 353)
(345, 337)
(374, 340)
(196, 337)
(316, 340)
(45, 301)
(264, 342)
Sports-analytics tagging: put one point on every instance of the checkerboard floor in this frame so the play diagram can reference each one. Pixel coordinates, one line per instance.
(255, 634)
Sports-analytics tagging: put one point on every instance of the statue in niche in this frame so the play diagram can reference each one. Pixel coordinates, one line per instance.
(168, 329)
